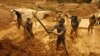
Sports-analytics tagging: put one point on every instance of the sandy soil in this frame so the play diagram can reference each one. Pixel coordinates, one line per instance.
(85, 44)
(5, 18)
(13, 42)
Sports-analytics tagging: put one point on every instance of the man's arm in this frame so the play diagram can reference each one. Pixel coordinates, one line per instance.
(50, 31)
(62, 32)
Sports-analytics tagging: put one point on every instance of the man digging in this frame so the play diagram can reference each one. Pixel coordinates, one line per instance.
(28, 28)
(60, 34)
(19, 18)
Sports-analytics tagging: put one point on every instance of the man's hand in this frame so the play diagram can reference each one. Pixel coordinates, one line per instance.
(49, 31)
(34, 14)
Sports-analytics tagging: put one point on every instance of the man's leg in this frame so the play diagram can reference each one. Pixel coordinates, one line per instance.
(65, 47)
(76, 30)
(58, 43)
(18, 25)
(92, 29)
(19, 22)
(72, 30)
(89, 27)
(31, 33)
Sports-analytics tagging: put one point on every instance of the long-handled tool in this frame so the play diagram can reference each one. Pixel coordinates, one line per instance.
(47, 30)
(40, 22)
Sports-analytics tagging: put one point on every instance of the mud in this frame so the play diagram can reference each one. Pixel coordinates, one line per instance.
(13, 42)
(5, 18)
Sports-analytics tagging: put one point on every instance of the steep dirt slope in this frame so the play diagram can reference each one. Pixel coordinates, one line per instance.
(5, 18)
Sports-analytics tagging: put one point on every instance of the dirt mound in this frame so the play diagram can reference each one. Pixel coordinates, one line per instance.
(5, 18)
(83, 10)
(8, 48)
(27, 48)
(35, 48)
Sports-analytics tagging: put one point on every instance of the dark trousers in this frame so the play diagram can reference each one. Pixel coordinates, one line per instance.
(19, 23)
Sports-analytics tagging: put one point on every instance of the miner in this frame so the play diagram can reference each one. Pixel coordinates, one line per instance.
(92, 22)
(60, 33)
(74, 24)
(28, 28)
(19, 18)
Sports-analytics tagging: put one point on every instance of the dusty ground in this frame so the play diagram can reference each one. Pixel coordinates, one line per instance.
(82, 10)
(44, 44)
(14, 43)
(5, 18)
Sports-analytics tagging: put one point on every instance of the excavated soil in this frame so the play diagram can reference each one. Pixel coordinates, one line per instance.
(5, 18)
(14, 42)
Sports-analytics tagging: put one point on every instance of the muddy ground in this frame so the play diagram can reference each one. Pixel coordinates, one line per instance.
(13, 42)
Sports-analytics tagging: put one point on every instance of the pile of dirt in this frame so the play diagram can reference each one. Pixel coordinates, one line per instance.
(8, 48)
(26, 48)
(36, 48)
(5, 18)
(83, 10)
(29, 47)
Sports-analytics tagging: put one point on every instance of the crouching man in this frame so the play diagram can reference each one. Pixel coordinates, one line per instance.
(19, 18)
(28, 28)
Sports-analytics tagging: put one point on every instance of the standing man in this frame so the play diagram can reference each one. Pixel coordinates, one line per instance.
(60, 34)
(74, 24)
(92, 22)
(28, 28)
(19, 18)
